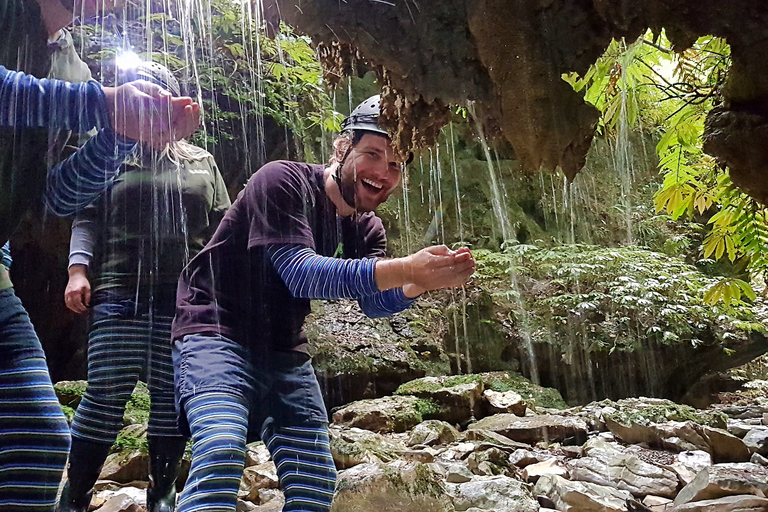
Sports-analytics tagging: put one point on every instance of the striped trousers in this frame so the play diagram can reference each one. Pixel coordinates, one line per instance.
(34, 436)
(125, 339)
(219, 425)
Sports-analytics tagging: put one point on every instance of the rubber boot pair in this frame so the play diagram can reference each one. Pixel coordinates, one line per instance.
(165, 455)
(86, 459)
(83, 467)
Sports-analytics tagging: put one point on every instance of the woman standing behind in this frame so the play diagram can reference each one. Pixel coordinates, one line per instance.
(162, 209)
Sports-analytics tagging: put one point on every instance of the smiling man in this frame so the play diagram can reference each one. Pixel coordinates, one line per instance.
(296, 232)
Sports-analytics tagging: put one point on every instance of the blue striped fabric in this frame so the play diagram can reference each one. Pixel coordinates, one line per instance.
(27, 101)
(80, 179)
(304, 464)
(385, 303)
(118, 349)
(219, 423)
(6, 255)
(311, 276)
(34, 438)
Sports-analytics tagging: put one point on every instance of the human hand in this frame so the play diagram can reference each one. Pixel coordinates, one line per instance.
(77, 295)
(440, 267)
(147, 113)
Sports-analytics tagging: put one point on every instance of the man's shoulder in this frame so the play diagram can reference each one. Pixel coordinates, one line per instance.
(285, 172)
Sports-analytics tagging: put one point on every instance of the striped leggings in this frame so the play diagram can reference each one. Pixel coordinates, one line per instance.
(122, 343)
(219, 425)
(34, 436)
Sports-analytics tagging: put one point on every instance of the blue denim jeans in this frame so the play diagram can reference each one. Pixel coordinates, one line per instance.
(277, 385)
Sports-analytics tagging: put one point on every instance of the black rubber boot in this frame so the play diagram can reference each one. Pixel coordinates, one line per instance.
(165, 455)
(83, 467)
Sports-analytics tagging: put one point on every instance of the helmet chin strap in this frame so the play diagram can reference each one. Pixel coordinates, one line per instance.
(337, 179)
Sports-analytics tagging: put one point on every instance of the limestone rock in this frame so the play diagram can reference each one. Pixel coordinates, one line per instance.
(432, 432)
(121, 503)
(724, 480)
(689, 464)
(738, 503)
(607, 464)
(255, 478)
(757, 440)
(522, 458)
(458, 474)
(498, 493)
(532, 429)
(551, 466)
(126, 467)
(681, 436)
(508, 401)
(396, 487)
(456, 403)
(490, 461)
(484, 435)
(387, 414)
(571, 496)
(353, 446)
(657, 503)
(256, 453)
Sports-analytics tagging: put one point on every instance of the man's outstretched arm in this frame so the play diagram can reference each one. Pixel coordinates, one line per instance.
(382, 287)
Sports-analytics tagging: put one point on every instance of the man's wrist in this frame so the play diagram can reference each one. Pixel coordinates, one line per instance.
(392, 273)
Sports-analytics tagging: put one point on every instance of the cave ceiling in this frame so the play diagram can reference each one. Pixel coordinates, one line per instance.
(508, 56)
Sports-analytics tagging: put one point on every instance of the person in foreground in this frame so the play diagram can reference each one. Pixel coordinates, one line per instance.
(34, 436)
(296, 232)
(162, 209)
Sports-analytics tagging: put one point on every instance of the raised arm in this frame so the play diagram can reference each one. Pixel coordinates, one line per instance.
(138, 110)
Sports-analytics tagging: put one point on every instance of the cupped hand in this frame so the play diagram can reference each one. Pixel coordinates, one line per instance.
(147, 113)
(438, 267)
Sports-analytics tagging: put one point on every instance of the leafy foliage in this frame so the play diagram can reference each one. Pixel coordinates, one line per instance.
(616, 297)
(694, 184)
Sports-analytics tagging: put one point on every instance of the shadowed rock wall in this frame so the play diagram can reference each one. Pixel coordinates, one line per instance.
(508, 56)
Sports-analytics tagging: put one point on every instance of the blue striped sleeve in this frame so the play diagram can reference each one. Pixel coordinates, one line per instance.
(385, 303)
(6, 255)
(311, 276)
(30, 102)
(77, 181)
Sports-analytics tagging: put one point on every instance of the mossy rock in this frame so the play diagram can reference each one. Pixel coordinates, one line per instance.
(70, 392)
(647, 411)
(387, 414)
(534, 395)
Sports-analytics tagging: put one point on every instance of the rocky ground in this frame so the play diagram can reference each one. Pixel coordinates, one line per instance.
(493, 442)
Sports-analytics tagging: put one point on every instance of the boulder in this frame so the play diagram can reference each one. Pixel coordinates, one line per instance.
(455, 400)
(722, 480)
(498, 493)
(608, 464)
(256, 478)
(552, 466)
(689, 464)
(757, 440)
(506, 402)
(682, 436)
(532, 429)
(571, 496)
(396, 487)
(126, 467)
(433, 432)
(354, 446)
(738, 503)
(387, 414)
